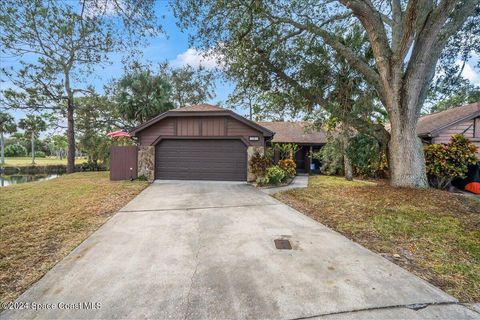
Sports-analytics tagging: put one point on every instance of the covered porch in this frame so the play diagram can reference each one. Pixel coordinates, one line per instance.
(303, 158)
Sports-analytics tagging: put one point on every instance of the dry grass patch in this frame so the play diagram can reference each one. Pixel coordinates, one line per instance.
(41, 222)
(432, 233)
(27, 161)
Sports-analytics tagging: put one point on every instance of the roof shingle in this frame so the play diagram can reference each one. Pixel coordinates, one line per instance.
(297, 132)
(200, 107)
(435, 121)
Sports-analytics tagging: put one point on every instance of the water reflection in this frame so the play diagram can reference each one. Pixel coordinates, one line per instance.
(16, 179)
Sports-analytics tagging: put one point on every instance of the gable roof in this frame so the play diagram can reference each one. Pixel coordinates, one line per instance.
(432, 123)
(201, 110)
(295, 132)
(200, 107)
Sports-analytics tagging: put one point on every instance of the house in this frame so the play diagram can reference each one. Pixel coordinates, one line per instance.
(439, 127)
(432, 128)
(206, 142)
(199, 142)
(304, 135)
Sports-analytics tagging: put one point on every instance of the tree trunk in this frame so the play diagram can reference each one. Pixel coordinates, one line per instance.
(2, 147)
(347, 165)
(70, 138)
(33, 147)
(405, 149)
(348, 168)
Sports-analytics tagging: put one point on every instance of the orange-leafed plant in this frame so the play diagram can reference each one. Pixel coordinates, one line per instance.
(288, 166)
(445, 162)
(259, 163)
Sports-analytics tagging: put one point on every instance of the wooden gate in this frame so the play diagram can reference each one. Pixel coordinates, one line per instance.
(123, 162)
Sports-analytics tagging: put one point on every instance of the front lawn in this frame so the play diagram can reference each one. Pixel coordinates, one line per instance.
(433, 234)
(27, 161)
(41, 222)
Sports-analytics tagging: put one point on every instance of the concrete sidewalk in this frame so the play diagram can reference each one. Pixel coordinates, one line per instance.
(195, 250)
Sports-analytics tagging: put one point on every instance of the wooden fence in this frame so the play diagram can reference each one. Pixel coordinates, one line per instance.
(123, 162)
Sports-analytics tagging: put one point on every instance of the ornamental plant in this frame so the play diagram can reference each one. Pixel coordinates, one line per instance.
(259, 163)
(445, 162)
(275, 175)
(288, 166)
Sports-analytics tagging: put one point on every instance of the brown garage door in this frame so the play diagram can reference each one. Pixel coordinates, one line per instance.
(201, 160)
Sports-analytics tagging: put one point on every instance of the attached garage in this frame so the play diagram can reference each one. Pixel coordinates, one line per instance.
(201, 159)
(200, 142)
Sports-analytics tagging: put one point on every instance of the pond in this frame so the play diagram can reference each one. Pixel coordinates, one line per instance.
(16, 179)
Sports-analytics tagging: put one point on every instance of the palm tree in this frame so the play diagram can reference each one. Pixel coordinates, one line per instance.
(7, 125)
(32, 125)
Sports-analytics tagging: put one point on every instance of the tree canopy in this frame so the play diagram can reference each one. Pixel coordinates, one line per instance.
(60, 43)
(276, 45)
(141, 95)
(188, 85)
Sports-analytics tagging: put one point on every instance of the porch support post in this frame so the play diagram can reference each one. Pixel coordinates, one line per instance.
(310, 152)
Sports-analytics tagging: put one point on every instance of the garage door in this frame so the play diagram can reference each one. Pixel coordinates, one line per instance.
(201, 160)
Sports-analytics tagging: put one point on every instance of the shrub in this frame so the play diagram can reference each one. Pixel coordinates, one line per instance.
(365, 154)
(15, 150)
(331, 157)
(286, 150)
(259, 164)
(40, 154)
(444, 162)
(288, 166)
(142, 178)
(275, 175)
(262, 181)
(93, 166)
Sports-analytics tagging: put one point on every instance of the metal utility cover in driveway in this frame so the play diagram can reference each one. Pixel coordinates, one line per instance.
(201, 159)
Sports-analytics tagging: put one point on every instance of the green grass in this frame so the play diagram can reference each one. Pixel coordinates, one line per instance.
(27, 161)
(41, 222)
(432, 233)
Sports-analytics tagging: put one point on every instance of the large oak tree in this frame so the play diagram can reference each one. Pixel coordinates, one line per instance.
(407, 39)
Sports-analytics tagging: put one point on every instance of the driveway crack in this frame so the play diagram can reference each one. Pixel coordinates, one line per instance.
(413, 306)
(195, 270)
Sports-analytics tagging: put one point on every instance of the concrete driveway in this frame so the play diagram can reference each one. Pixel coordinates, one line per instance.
(205, 250)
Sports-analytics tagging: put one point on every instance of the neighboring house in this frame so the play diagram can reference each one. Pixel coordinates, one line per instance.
(200, 142)
(301, 133)
(439, 127)
(433, 128)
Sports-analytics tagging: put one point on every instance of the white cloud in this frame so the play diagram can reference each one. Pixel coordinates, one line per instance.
(104, 8)
(197, 58)
(471, 74)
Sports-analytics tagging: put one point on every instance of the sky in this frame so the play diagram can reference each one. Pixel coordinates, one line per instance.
(173, 46)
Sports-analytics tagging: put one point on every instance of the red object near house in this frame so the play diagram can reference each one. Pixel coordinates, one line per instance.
(473, 187)
(118, 134)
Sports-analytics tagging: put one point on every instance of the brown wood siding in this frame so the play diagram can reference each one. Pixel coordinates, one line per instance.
(209, 126)
(213, 126)
(477, 128)
(466, 128)
(162, 128)
(201, 159)
(189, 127)
(236, 129)
(123, 162)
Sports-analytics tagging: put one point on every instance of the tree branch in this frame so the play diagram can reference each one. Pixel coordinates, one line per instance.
(333, 41)
(372, 22)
